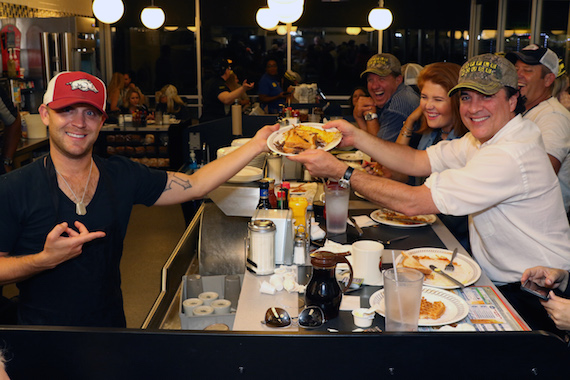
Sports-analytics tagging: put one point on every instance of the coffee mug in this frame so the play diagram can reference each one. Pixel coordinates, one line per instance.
(366, 259)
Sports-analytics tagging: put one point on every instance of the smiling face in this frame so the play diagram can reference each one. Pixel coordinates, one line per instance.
(533, 83)
(381, 89)
(485, 115)
(73, 130)
(436, 106)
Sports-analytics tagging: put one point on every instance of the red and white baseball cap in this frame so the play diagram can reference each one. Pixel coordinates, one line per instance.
(74, 87)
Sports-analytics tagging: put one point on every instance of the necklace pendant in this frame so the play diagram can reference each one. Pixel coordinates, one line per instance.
(80, 208)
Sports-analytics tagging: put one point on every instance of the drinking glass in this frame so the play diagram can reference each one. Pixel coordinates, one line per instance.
(232, 289)
(402, 297)
(194, 286)
(336, 207)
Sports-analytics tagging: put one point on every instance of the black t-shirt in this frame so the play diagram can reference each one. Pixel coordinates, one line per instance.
(86, 290)
(213, 108)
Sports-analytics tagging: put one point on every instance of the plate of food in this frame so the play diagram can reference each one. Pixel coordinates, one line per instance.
(396, 219)
(290, 141)
(439, 307)
(467, 271)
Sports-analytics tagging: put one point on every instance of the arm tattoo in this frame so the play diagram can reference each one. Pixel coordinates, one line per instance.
(174, 178)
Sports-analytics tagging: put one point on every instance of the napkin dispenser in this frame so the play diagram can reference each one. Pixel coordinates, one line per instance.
(284, 234)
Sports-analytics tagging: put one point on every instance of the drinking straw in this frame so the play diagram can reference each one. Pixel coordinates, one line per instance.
(398, 293)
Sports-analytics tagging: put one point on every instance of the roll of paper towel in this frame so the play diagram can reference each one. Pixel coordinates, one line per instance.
(36, 128)
(236, 120)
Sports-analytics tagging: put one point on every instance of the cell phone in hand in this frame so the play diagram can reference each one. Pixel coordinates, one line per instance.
(537, 290)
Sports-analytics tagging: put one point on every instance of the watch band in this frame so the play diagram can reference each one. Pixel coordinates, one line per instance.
(345, 180)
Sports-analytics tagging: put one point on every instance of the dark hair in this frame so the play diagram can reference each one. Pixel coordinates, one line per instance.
(521, 99)
(220, 66)
(444, 74)
(362, 88)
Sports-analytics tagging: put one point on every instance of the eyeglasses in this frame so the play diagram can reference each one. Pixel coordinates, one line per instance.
(309, 318)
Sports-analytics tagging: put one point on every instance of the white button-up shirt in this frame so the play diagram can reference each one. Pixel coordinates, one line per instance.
(511, 194)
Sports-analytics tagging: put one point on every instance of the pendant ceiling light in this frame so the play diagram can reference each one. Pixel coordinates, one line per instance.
(380, 18)
(353, 30)
(288, 11)
(152, 17)
(108, 11)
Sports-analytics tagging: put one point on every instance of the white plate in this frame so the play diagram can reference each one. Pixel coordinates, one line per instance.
(455, 307)
(359, 195)
(247, 174)
(467, 271)
(350, 157)
(377, 216)
(277, 137)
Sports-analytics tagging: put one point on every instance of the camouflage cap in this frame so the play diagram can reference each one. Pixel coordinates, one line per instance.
(382, 65)
(487, 74)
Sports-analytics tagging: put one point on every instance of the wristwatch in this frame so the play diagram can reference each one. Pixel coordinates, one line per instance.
(8, 162)
(345, 180)
(370, 116)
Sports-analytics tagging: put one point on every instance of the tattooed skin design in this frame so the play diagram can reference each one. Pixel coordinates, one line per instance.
(173, 178)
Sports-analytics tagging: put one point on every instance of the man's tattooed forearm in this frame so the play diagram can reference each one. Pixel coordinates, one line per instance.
(174, 178)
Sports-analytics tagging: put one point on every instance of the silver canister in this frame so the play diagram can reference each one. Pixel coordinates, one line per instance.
(275, 167)
(260, 246)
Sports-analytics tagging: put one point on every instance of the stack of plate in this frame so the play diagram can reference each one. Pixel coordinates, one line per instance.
(258, 161)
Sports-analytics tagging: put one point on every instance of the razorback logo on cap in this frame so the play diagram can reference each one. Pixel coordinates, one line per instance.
(83, 85)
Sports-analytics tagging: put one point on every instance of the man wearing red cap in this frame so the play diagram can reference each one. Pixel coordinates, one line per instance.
(64, 217)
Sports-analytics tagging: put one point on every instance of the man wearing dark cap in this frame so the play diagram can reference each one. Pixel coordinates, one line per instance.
(390, 102)
(64, 216)
(217, 95)
(537, 68)
(498, 174)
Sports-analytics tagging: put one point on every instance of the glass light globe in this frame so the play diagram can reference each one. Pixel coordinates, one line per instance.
(108, 11)
(152, 17)
(288, 11)
(282, 30)
(353, 30)
(266, 18)
(380, 18)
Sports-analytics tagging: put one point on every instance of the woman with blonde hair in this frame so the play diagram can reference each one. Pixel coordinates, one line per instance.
(114, 92)
(168, 101)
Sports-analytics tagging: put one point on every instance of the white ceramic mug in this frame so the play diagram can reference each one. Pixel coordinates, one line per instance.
(367, 260)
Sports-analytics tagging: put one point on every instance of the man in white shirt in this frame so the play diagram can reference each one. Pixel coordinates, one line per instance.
(537, 68)
(498, 174)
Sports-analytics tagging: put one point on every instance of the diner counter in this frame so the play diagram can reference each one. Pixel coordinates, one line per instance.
(228, 239)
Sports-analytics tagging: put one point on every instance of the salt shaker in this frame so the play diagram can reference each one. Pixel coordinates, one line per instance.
(299, 249)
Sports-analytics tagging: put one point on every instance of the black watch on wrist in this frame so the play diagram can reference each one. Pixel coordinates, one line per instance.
(345, 180)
